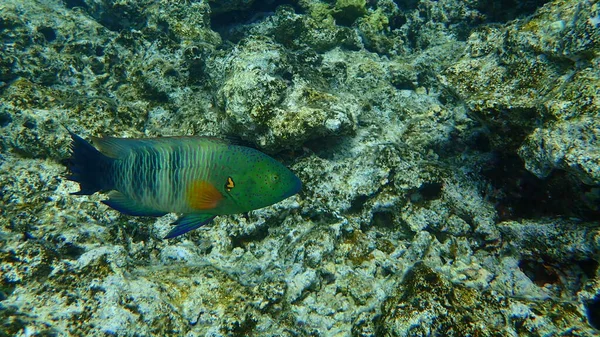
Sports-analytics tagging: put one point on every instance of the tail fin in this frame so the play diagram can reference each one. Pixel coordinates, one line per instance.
(89, 167)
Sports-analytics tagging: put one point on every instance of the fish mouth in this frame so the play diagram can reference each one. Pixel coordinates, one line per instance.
(296, 186)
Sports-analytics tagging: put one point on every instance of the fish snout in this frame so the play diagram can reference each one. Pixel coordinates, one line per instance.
(294, 187)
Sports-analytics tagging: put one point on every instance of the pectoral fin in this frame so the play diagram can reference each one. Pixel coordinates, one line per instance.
(189, 222)
(202, 195)
(128, 206)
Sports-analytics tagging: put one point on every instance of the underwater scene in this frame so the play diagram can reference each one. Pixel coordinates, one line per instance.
(299, 168)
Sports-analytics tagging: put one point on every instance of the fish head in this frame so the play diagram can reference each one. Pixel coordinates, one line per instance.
(263, 183)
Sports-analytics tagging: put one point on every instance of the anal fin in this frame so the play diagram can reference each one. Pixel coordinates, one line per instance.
(189, 222)
(128, 206)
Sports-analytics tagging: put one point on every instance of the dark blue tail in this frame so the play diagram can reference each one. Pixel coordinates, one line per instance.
(89, 167)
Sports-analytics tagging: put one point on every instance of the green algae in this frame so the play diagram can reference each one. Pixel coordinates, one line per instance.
(347, 11)
(457, 311)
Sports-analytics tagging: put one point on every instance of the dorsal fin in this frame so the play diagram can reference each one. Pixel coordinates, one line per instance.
(120, 147)
(114, 147)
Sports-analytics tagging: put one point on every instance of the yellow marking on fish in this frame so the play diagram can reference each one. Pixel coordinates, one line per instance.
(229, 185)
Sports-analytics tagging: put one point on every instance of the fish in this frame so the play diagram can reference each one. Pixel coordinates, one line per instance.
(197, 177)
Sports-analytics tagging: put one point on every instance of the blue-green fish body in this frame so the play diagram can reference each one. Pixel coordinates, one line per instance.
(199, 177)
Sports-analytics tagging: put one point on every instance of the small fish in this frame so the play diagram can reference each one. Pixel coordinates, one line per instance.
(199, 177)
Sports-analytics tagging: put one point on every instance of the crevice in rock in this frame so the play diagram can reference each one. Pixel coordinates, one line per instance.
(519, 194)
(592, 309)
(223, 21)
(507, 10)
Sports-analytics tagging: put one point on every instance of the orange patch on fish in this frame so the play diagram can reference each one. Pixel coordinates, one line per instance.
(203, 195)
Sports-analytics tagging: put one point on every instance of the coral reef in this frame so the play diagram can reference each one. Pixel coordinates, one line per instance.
(448, 150)
(536, 82)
